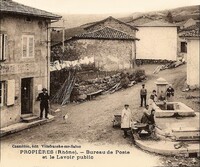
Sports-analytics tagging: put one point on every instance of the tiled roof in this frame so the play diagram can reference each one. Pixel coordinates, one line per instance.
(109, 18)
(106, 33)
(192, 31)
(140, 21)
(181, 23)
(192, 27)
(158, 23)
(11, 7)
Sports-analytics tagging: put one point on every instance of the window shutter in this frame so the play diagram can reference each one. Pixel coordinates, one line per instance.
(1, 46)
(10, 92)
(31, 46)
(24, 46)
(5, 46)
(1, 93)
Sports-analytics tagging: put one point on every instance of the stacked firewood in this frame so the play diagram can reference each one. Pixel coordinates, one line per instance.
(109, 84)
(173, 64)
(63, 94)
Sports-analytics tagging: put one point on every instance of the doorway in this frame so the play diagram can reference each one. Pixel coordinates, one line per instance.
(26, 95)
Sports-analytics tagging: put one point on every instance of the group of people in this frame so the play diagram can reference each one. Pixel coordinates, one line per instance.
(126, 119)
(149, 111)
(168, 95)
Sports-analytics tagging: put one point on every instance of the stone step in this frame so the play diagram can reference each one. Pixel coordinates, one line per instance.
(26, 115)
(30, 119)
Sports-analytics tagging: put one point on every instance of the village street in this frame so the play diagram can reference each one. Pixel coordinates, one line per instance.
(91, 121)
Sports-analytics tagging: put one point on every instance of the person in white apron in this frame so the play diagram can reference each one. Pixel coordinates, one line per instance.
(126, 120)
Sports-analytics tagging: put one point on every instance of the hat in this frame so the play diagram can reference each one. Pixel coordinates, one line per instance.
(126, 105)
(143, 84)
(44, 89)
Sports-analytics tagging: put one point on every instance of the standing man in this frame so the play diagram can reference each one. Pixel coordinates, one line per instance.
(44, 103)
(126, 120)
(143, 95)
(170, 93)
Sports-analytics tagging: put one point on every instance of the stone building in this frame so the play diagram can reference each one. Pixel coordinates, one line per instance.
(110, 42)
(24, 59)
(182, 42)
(192, 36)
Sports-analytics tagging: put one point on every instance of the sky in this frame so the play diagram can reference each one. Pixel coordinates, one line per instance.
(106, 6)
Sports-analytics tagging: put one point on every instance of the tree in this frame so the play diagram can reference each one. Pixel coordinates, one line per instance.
(169, 17)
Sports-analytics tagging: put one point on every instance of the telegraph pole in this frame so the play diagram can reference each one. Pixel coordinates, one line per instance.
(63, 40)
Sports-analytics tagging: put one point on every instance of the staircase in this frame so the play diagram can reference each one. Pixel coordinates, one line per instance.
(27, 118)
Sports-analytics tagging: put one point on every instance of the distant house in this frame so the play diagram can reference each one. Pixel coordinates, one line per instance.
(110, 43)
(24, 59)
(192, 36)
(158, 41)
(182, 42)
(189, 22)
(140, 20)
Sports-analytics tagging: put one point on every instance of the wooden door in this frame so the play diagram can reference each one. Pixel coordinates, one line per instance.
(26, 96)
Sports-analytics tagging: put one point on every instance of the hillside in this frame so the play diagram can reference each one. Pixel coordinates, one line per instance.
(75, 20)
(178, 14)
(73, 23)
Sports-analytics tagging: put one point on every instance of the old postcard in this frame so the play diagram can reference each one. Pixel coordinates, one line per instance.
(87, 83)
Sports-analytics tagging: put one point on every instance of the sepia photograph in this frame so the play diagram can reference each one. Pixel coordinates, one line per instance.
(99, 83)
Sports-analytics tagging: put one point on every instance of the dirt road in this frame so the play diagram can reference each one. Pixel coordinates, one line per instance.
(90, 122)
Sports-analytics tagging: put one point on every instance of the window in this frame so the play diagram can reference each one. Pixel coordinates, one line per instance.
(27, 46)
(2, 93)
(183, 47)
(3, 47)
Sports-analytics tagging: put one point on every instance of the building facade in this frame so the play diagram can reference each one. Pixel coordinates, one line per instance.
(192, 36)
(110, 43)
(24, 59)
(158, 41)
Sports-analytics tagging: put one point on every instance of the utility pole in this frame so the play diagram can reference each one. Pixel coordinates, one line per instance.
(63, 40)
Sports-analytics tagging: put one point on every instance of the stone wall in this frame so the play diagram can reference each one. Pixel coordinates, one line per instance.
(157, 43)
(108, 55)
(193, 62)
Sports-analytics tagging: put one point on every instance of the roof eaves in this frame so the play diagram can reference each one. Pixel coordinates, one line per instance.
(87, 33)
(101, 38)
(47, 15)
(34, 15)
(156, 26)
